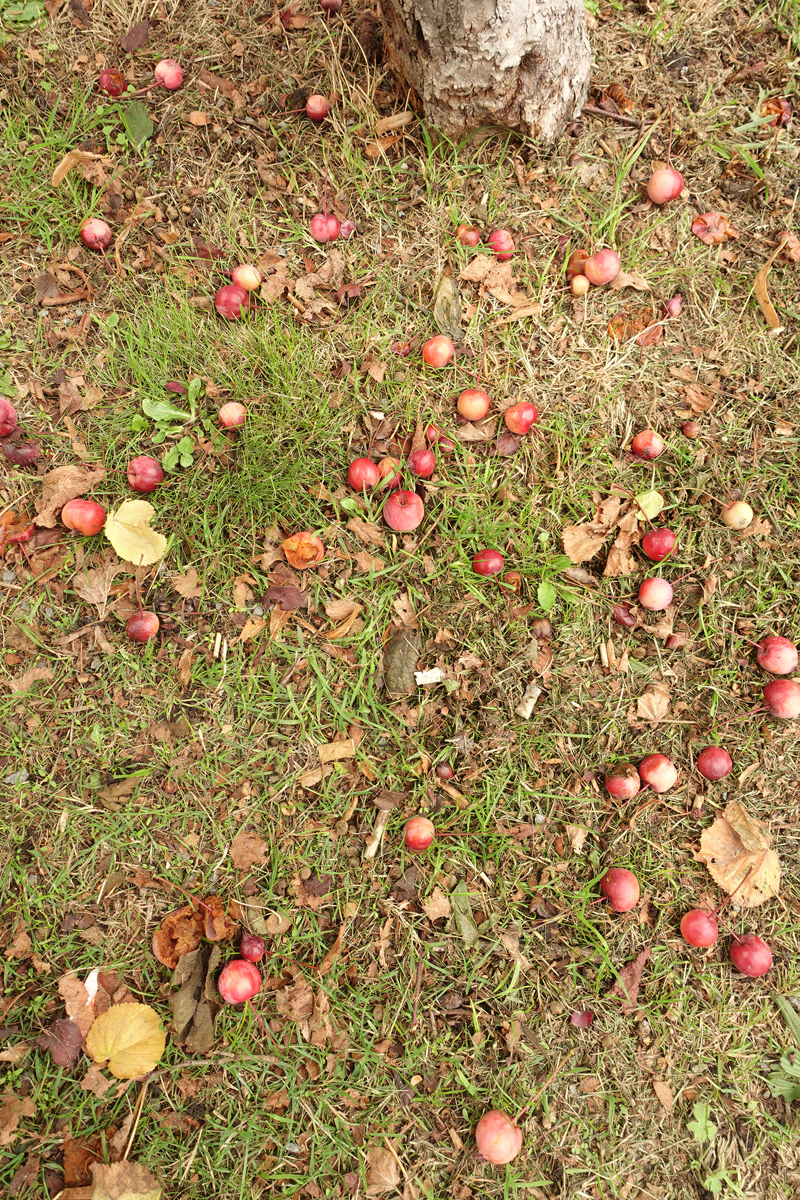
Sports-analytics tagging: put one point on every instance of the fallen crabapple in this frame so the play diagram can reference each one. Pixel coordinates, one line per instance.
(347, 229)
(502, 243)
(8, 417)
(750, 955)
(438, 351)
(252, 947)
(782, 697)
(658, 771)
(142, 626)
(317, 108)
(444, 771)
(473, 404)
(647, 445)
(664, 185)
(714, 763)
(519, 418)
(655, 594)
(144, 473)
(419, 833)
(467, 235)
(232, 414)
(622, 780)
(325, 227)
(658, 544)
(488, 562)
(330, 6)
(674, 306)
(169, 74)
(777, 655)
(19, 454)
(497, 1137)
(621, 888)
(737, 515)
(231, 302)
(84, 516)
(579, 285)
(422, 463)
(438, 437)
(691, 429)
(246, 276)
(363, 473)
(112, 82)
(699, 928)
(95, 234)
(239, 980)
(390, 472)
(403, 511)
(602, 267)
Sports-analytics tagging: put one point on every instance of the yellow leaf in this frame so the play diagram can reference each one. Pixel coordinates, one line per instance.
(739, 858)
(123, 1181)
(128, 530)
(129, 1037)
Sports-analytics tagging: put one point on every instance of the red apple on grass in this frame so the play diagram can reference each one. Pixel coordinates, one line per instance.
(403, 511)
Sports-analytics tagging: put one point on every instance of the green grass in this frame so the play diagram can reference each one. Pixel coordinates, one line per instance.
(232, 743)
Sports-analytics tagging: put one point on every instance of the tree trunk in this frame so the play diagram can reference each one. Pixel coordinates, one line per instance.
(521, 64)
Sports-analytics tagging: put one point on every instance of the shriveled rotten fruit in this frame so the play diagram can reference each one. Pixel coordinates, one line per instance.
(621, 888)
(112, 82)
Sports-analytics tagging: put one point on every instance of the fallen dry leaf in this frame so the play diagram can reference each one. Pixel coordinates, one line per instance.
(186, 585)
(333, 953)
(76, 1001)
(63, 1041)
(179, 933)
(629, 982)
(93, 585)
(436, 905)
(63, 484)
(761, 293)
(129, 1037)
(23, 683)
(790, 246)
(383, 1173)
(366, 562)
(738, 857)
(713, 227)
(653, 705)
(629, 279)
(583, 541)
(95, 1081)
(123, 1181)
(664, 1093)
(128, 530)
(248, 850)
(576, 835)
(335, 751)
(12, 1110)
(366, 531)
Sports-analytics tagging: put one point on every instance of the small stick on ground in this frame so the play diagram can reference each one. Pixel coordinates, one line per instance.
(381, 821)
(417, 990)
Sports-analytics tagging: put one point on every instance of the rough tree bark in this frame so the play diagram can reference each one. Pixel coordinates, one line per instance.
(521, 64)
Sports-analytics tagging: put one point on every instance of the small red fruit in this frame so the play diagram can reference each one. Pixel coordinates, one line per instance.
(325, 227)
(252, 947)
(419, 833)
(473, 404)
(390, 472)
(714, 763)
(317, 108)
(751, 956)
(144, 473)
(647, 445)
(169, 74)
(622, 780)
(422, 463)
(96, 234)
(488, 562)
(437, 437)
(658, 771)
(498, 1139)
(231, 302)
(699, 928)
(84, 516)
(238, 981)
(691, 429)
(112, 82)
(782, 697)
(777, 655)
(520, 417)
(8, 417)
(658, 544)
(467, 235)
(622, 889)
(502, 243)
(232, 414)
(363, 473)
(142, 626)
(403, 511)
(655, 594)
(438, 351)
(444, 771)
(246, 276)
(601, 267)
(665, 185)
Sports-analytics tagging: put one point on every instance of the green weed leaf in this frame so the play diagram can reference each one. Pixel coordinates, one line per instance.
(651, 503)
(701, 1129)
(546, 595)
(138, 125)
(162, 410)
